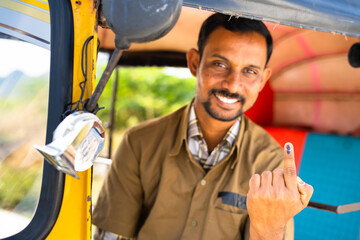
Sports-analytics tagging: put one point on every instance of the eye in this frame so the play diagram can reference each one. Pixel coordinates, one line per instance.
(220, 64)
(250, 71)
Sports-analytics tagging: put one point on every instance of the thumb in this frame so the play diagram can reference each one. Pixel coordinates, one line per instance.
(305, 191)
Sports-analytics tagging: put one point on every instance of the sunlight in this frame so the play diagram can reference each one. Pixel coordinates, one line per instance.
(28, 58)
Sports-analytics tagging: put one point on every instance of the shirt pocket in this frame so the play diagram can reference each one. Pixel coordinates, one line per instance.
(231, 202)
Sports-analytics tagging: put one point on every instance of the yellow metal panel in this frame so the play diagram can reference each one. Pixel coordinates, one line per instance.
(25, 9)
(38, 4)
(74, 221)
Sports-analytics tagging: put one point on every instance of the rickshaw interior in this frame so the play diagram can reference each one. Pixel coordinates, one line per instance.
(311, 100)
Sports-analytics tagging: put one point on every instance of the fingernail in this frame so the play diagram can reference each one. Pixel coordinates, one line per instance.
(288, 149)
(300, 181)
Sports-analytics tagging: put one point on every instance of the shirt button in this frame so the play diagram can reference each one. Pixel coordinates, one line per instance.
(194, 223)
(203, 182)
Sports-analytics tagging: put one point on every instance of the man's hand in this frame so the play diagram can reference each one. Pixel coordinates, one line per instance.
(275, 197)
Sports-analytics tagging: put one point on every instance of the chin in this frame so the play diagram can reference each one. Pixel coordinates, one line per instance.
(221, 116)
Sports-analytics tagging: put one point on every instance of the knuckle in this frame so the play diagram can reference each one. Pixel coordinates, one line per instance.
(266, 174)
(266, 192)
(254, 178)
(278, 171)
(290, 171)
(254, 182)
(310, 189)
(280, 193)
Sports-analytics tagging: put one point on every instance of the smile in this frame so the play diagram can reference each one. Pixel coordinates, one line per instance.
(226, 100)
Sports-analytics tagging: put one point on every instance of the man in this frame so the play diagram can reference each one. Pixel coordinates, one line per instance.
(206, 171)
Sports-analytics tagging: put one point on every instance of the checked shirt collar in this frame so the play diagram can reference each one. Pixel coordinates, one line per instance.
(198, 146)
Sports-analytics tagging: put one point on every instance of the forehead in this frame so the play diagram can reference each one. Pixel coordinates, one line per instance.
(223, 40)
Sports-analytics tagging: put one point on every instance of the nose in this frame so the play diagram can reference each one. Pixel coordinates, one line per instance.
(233, 82)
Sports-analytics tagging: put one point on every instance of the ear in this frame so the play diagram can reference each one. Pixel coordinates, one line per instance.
(266, 76)
(193, 58)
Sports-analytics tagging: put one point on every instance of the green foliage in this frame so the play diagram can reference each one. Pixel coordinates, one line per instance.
(15, 184)
(144, 93)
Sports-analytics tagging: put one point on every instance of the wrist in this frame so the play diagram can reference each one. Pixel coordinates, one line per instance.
(258, 233)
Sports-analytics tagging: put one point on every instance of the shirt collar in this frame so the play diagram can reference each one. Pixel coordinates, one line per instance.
(182, 133)
(193, 132)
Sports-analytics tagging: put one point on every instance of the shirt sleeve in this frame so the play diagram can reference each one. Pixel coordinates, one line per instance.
(120, 200)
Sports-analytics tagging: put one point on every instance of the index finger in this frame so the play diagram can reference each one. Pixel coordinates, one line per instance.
(290, 175)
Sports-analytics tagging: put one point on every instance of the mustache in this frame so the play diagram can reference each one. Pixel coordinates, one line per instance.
(226, 93)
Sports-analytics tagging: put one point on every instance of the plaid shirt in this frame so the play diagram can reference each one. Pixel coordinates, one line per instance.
(198, 146)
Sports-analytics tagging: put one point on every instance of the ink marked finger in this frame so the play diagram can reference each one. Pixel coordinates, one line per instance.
(289, 166)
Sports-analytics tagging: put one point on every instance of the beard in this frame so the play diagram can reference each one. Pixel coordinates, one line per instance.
(223, 115)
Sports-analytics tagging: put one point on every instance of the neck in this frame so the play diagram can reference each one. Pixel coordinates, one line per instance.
(212, 129)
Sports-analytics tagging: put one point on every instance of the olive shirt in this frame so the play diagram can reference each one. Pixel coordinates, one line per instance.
(156, 190)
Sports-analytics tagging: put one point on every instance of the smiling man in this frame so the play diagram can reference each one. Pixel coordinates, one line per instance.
(206, 171)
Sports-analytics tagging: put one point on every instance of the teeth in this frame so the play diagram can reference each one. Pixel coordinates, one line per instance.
(227, 100)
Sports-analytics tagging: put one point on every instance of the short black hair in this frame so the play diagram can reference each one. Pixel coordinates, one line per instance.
(234, 24)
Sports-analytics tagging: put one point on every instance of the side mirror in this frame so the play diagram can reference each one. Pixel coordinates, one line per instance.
(77, 142)
(140, 20)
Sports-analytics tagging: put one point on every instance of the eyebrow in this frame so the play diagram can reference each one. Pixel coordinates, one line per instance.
(254, 66)
(224, 58)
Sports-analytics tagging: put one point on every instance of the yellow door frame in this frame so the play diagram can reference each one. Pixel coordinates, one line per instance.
(74, 220)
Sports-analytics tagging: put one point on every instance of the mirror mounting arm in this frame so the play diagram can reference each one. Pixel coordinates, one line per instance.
(91, 105)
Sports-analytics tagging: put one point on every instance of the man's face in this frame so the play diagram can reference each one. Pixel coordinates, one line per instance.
(230, 74)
